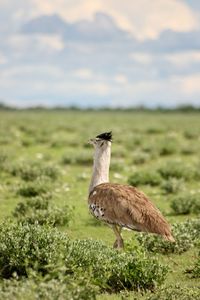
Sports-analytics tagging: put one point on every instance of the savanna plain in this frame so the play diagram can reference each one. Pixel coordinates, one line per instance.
(52, 248)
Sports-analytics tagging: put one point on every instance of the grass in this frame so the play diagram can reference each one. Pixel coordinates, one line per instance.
(143, 142)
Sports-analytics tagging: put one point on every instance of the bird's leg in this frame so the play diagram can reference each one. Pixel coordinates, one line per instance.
(119, 243)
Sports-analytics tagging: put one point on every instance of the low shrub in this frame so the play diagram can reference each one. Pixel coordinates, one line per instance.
(82, 158)
(113, 271)
(27, 141)
(188, 150)
(35, 188)
(63, 289)
(152, 178)
(38, 202)
(25, 246)
(172, 185)
(191, 134)
(30, 171)
(176, 293)
(185, 235)
(186, 203)
(150, 148)
(3, 157)
(140, 158)
(155, 130)
(6, 139)
(196, 269)
(175, 169)
(196, 173)
(119, 152)
(117, 165)
(39, 210)
(3, 160)
(50, 171)
(167, 147)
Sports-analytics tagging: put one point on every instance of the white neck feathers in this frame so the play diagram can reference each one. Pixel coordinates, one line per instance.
(101, 165)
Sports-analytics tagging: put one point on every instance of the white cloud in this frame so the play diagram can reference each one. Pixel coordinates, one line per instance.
(3, 59)
(41, 69)
(35, 44)
(48, 85)
(121, 79)
(83, 74)
(56, 87)
(142, 58)
(190, 85)
(149, 18)
(171, 92)
(144, 18)
(71, 10)
(55, 42)
(184, 58)
(31, 73)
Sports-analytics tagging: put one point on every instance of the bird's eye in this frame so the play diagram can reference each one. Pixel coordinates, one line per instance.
(96, 141)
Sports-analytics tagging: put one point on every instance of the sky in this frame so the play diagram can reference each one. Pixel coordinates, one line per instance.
(93, 53)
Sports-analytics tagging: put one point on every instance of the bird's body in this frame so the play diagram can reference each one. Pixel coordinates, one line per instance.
(121, 206)
(127, 207)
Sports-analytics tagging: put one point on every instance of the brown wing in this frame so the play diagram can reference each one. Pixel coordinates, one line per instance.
(128, 207)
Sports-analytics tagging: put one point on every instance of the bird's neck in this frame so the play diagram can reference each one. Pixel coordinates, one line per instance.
(100, 167)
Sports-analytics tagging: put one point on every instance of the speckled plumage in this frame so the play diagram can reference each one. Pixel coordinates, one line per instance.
(121, 205)
(126, 206)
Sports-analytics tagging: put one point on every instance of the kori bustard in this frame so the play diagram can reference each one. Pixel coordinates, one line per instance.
(121, 205)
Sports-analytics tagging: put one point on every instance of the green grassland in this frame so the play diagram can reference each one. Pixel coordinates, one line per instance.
(143, 144)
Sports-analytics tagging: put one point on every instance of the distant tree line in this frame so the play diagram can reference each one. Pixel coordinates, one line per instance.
(181, 108)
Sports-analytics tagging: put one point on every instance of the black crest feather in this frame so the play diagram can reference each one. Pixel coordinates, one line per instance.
(107, 136)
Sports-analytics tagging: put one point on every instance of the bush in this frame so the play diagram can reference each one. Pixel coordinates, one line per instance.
(27, 142)
(150, 148)
(3, 161)
(174, 169)
(172, 185)
(185, 204)
(196, 175)
(191, 134)
(188, 150)
(63, 289)
(119, 152)
(117, 165)
(113, 271)
(44, 250)
(196, 270)
(82, 158)
(29, 246)
(32, 171)
(168, 147)
(145, 177)
(40, 210)
(33, 189)
(155, 130)
(185, 235)
(3, 157)
(141, 158)
(176, 293)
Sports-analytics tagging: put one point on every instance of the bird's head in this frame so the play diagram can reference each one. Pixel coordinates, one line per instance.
(102, 140)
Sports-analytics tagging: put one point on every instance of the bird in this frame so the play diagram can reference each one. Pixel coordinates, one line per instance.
(120, 205)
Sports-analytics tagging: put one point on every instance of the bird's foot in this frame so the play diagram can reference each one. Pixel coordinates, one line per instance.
(115, 245)
(118, 244)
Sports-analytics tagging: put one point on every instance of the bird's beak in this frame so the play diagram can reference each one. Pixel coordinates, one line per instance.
(91, 141)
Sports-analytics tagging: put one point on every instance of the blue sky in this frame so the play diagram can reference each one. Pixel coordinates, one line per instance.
(100, 53)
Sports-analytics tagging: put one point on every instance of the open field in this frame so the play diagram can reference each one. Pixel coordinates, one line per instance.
(45, 155)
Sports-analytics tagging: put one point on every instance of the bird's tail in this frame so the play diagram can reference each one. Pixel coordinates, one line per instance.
(169, 238)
